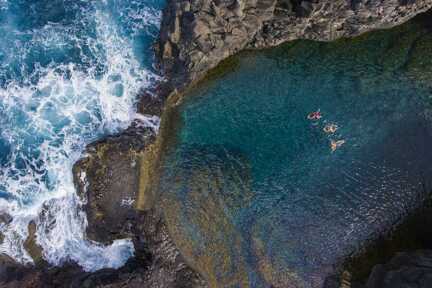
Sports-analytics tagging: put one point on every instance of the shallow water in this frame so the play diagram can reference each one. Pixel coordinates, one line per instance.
(252, 192)
(69, 74)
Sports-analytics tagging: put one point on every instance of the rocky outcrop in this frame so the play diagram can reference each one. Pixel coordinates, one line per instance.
(108, 180)
(137, 273)
(111, 179)
(412, 269)
(197, 34)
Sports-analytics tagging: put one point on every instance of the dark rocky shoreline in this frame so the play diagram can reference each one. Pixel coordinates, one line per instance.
(118, 185)
(196, 36)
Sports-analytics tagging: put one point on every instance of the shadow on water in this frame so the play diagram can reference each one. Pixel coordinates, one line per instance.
(251, 191)
(410, 235)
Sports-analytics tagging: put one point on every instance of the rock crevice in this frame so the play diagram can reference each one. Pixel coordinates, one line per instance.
(196, 35)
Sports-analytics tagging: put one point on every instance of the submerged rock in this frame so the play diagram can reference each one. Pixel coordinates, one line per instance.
(304, 234)
(202, 195)
(195, 36)
(111, 177)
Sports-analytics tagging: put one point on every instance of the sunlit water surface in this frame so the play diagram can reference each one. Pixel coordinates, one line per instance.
(251, 188)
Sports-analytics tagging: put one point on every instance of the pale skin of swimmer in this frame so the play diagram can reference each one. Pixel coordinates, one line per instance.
(336, 144)
(330, 128)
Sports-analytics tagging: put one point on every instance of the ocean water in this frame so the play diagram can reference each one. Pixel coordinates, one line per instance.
(70, 71)
(251, 189)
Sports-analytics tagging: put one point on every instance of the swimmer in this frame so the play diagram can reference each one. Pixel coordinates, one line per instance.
(316, 115)
(330, 128)
(336, 144)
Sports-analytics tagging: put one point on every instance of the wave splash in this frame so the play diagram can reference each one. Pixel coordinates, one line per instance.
(66, 84)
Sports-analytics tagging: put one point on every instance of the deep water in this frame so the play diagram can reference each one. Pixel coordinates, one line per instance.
(70, 71)
(251, 189)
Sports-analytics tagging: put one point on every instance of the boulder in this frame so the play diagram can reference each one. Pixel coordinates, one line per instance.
(408, 269)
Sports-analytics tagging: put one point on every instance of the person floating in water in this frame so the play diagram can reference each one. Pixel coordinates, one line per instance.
(316, 115)
(336, 144)
(330, 128)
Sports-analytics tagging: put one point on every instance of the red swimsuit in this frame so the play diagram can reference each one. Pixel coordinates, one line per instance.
(314, 115)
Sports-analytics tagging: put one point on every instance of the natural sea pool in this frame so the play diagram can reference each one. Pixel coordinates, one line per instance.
(251, 190)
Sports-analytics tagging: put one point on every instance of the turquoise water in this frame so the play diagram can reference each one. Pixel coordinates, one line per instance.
(70, 71)
(246, 156)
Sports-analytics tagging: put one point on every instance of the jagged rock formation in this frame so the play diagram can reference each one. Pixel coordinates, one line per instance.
(111, 179)
(137, 273)
(197, 34)
(404, 270)
(107, 178)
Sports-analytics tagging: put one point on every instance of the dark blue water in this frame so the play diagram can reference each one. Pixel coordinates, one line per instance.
(252, 191)
(70, 71)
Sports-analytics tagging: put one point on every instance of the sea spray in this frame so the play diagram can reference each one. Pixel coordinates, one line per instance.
(64, 83)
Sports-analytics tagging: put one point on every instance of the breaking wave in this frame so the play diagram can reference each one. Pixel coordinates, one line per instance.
(69, 74)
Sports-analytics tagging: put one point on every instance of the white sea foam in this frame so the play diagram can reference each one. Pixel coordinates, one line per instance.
(47, 123)
(127, 202)
(142, 18)
(148, 121)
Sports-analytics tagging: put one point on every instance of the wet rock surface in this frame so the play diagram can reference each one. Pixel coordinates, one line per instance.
(411, 269)
(196, 35)
(107, 179)
(405, 270)
(114, 173)
(136, 273)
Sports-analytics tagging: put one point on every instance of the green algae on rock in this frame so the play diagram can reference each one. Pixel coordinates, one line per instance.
(113, 181)
(110, 200)
(208, 186)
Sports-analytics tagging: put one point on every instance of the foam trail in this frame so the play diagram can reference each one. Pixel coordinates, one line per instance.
(47, 119)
